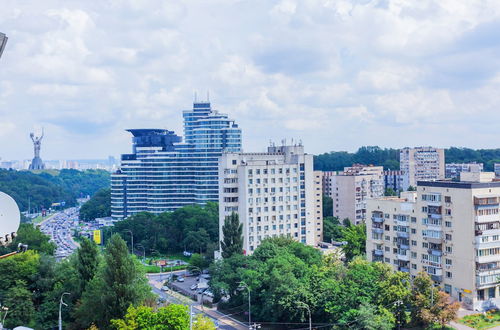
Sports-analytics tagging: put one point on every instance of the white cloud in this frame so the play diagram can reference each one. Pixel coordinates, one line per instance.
(337, 74)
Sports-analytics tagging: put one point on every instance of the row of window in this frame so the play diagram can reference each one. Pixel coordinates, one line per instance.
(280, 170)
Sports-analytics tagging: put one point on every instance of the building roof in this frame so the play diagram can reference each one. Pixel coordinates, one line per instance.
(459, 184)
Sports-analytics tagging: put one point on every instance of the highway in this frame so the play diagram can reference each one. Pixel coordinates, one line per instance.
(59, 227)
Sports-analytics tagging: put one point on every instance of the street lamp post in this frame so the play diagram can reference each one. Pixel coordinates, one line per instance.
(6, 310)
(243, 284)
(132, 238)
(61, 302)
(143, 252)
(306, 306)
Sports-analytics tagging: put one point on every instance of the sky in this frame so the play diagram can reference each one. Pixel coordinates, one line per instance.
(335, 74)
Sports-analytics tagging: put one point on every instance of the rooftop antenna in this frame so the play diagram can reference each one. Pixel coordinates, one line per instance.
(208, 96)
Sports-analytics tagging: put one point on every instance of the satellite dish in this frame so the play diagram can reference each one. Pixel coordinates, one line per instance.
(10, 217)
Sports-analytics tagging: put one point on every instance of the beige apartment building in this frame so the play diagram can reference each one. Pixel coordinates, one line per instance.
(422, 164)
(448, 229)
(351, 189)
(275, 193)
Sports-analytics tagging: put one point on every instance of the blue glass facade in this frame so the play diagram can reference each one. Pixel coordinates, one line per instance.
(163, 173)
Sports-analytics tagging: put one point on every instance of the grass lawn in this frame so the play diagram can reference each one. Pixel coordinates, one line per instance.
(156, 269)
(482, 321)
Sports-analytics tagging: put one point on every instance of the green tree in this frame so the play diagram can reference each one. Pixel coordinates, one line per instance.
(202, 322)
(171, 317)
(87, 262)
(422, 296)
(98, 206)
(390, 192)
(119, 284)
(442, 311)
(19, 301)
(411, 188)
(232, 241)
(332, 230)
(327, 206)
(371, 317)
(355, 236)
(197, 240)
(198, 261)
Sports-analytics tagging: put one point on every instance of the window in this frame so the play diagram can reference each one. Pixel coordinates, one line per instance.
(413, 266)
(414, 243)
(413, 231)
(425, 245)
(448, 262)
(449, 249)
(480, 294)
(413, 220)
(448, 237)
(447, 288)
(449, 275)
(447, 224)
(491, 292)
(414, 255)
(447, 199)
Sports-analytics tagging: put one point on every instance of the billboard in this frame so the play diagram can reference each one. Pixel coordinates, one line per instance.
(97, 236)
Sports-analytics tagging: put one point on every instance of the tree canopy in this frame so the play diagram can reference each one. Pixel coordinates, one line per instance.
(98, 206)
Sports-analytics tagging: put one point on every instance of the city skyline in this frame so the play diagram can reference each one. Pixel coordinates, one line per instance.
(335, 75)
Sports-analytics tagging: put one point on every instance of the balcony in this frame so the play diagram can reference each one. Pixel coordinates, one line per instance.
(486, 259)
(378, 252)
(435, 252)
(378, 230)
(377, 219)
(486, 200)
(437, 278)
(404, 246)
(403, 234)
(404, 269)
(487, 218)
(403, 257)
(435, 216)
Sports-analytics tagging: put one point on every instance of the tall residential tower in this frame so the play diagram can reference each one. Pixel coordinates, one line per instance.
(163, 174)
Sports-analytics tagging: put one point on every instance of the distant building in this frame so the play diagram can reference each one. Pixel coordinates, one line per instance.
(3, 42)
(275, 193)
(497, 170)
(446, 228)
(422, 164)
(351, 188)
(453, 170)
(396, 180)
(163, 174)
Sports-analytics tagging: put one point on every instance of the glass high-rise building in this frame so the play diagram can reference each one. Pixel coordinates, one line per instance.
(163, 173)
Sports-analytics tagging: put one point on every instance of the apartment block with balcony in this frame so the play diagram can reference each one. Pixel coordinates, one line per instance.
(453, 170)
(396, 180)
(422, 164)
(351, 189)
(275, 193)
(452, 234)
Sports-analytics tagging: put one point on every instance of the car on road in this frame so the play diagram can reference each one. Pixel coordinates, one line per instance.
(180, 279)
(164, 288)
(194, 286)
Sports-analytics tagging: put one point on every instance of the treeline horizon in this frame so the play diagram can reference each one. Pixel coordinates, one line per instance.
(389, 158)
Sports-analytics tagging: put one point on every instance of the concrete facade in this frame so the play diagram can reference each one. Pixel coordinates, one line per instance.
(274, 193)
(448, 229)
(453, 170)
(422, 164)
(351, 189)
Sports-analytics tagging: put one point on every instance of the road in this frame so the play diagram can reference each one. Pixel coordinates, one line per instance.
(221, 321)
(59, 228)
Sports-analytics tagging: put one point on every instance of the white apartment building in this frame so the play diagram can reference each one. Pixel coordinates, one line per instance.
(396, 180)
(422, 164)
(351, 189)
(453, 170)
(274, 193)
(449, 229)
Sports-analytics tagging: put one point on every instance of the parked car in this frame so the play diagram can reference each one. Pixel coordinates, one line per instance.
(180, 279)
(205, 276)
(208, 293)
(194, 286)
(164, 288)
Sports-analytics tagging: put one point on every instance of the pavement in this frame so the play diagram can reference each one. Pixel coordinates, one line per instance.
(59, 227)
(221, 320)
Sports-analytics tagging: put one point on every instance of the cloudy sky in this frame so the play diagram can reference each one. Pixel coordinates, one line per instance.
(336, 74)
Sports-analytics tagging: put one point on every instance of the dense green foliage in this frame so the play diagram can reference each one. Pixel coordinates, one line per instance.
(389, 158)
(193, 228)
(332, 229)
(232, 241)
(100, 288)
(47, 187)
(33, 237)
(337, 160)
(98, 206)
(283, 274)
(327, 206)
(171, 317)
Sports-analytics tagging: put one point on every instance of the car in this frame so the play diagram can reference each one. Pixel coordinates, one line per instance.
(164, 288)
(205, 276)
(194, 286)
(208, 293)
(180, 279)
(200, 291)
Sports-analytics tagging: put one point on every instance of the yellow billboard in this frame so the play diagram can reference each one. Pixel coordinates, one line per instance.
(97, 236)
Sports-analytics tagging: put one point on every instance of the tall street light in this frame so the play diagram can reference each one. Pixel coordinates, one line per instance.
(61, 302)
(244, 285)
(143, 251)
(306, 306)
(132, 238)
